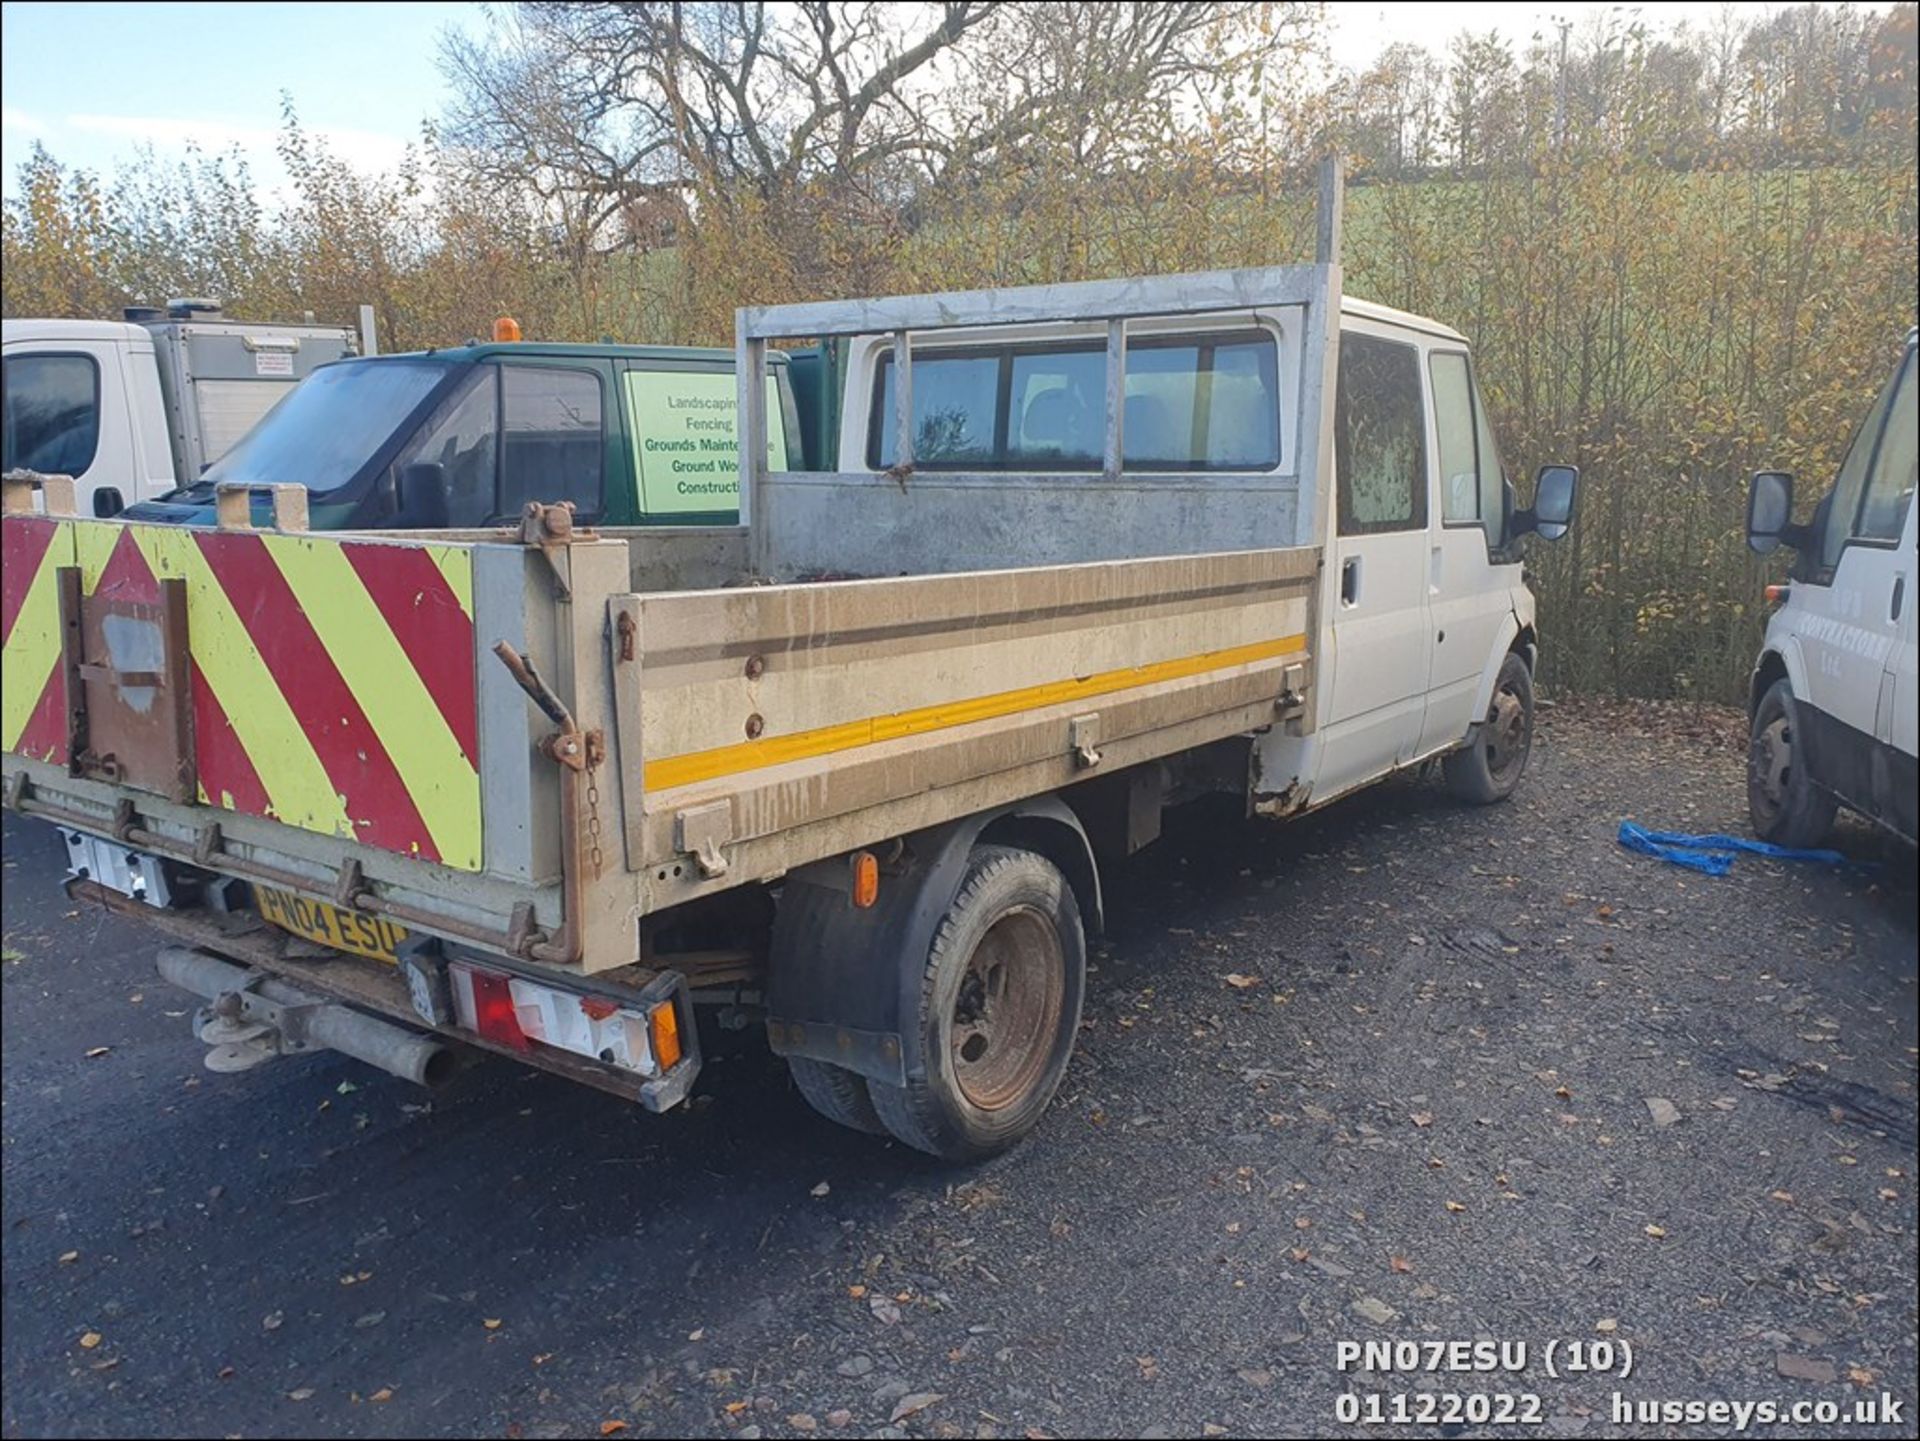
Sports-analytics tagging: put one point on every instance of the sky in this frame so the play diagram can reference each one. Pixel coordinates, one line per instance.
(366, 75)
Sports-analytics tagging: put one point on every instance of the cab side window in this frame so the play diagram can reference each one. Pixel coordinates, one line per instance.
(1890, 483)
(52, 413)
(1380, 437)
(1843, 506)
(1470, 474)
(552, 439)
(460, 438)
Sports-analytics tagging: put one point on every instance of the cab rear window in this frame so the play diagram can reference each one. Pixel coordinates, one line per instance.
(1193, 403)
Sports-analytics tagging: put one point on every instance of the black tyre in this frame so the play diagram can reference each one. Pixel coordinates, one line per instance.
(836, 1093)
(999, 1009)
(1786, 807)
(1489, 766)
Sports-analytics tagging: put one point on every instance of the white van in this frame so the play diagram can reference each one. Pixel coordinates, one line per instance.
(133, 408)
(1833, 696)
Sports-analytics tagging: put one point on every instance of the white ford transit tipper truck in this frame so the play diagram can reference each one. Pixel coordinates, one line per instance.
(853, 771)
(130, 409)
(1833, 697)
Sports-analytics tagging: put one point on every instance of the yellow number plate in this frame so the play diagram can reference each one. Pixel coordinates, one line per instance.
(334, 926)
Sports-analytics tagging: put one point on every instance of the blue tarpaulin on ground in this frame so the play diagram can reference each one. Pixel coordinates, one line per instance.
(1714, 855)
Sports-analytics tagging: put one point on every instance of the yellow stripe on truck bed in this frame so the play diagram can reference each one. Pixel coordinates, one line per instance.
(681, 770)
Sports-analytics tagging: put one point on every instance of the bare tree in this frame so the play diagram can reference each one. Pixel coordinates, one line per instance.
(599, 106)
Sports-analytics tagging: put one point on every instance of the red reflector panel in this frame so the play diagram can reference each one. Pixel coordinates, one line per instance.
(493, 1013)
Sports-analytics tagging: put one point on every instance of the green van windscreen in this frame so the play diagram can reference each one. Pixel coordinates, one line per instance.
(685, 442)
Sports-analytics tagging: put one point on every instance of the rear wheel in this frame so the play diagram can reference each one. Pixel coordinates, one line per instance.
(1489, 766)
(1786, 807)
(836, 1093)
(999, 1009)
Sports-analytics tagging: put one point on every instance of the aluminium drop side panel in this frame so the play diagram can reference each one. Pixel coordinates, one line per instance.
(792, 723)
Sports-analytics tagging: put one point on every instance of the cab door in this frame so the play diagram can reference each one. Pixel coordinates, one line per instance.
(1851, 590)
(1887, 513)
(1379, 604)
(67, 413)
(1467, 592)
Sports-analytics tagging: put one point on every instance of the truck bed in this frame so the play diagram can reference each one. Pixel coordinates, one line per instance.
(336, 724)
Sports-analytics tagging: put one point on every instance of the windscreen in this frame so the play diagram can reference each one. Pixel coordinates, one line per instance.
(326, 431)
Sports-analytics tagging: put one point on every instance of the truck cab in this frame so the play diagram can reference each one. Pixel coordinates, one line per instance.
(1832, 702)
(464, 437)
(83, 399)
(1428, 634)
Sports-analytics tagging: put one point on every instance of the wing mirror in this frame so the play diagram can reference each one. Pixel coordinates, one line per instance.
(1556, 495)
(420, 496)
(1770, 513)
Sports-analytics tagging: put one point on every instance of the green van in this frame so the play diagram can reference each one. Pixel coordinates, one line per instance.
(464, 437)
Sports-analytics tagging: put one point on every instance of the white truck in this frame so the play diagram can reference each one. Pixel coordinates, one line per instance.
(852, 771)
(135, 407)
(1833, 699)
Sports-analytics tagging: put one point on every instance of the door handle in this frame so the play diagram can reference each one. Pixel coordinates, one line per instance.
(1350, 581)
(1436, 569)
(1899, 596)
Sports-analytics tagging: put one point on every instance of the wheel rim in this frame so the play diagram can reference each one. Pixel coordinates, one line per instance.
(1770, 767)
(1507, 736)
(1007, 1014)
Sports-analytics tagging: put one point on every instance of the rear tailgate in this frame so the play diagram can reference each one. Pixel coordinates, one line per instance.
(311, 711)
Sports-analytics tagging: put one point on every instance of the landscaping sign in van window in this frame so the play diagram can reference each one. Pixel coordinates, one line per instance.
(686, 444)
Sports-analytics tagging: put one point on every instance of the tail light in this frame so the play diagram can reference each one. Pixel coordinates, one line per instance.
(641, 1035)
(489, 997)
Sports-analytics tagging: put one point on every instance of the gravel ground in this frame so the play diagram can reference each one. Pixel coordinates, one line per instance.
(1396, 1071)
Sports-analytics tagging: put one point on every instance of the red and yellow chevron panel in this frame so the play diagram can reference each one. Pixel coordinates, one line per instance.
(333, 680)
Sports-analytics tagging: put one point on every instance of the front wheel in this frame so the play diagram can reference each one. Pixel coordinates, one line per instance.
(1490, 765)
(1786, 807)
(999, 1009)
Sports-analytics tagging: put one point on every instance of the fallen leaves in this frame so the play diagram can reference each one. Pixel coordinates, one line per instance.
(1400, 1264)
(90, 1339)
(492, 1323)
(67, 1258)
(612, 1428)
(1657, 1232)
(96, 1052)
(1240, 982)
(1456, 1206)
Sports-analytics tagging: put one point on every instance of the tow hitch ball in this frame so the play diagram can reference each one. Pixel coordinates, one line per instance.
(234, 1042)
